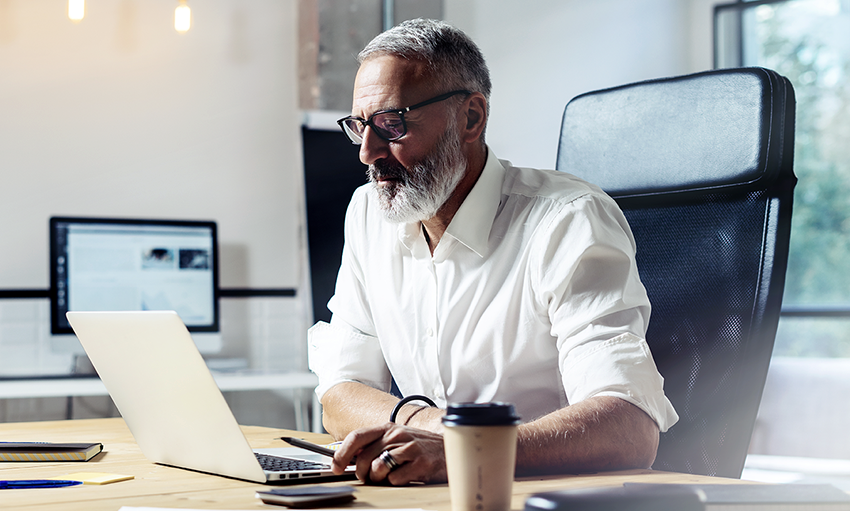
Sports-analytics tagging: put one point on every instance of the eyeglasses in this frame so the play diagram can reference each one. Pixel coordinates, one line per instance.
(388, 124)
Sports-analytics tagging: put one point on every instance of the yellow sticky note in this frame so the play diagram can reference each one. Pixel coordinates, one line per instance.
(94, 477)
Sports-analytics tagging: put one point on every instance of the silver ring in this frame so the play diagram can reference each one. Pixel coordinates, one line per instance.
(388, 460)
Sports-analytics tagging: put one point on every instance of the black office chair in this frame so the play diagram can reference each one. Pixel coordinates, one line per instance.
(702, 166)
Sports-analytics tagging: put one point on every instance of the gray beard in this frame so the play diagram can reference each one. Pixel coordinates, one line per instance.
(418, 193)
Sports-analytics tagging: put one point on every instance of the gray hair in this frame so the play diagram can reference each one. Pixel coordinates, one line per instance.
(452, 58)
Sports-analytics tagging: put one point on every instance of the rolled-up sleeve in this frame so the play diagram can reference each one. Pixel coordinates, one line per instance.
(599, 309)
(620, 367)
(339, 354)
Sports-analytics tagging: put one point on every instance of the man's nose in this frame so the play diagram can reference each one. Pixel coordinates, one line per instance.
(373, 147)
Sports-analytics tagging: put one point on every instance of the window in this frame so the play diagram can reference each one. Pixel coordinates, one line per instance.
(332, 33)
(807, 41)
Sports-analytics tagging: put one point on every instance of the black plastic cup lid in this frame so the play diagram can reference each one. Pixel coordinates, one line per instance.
(480, 414)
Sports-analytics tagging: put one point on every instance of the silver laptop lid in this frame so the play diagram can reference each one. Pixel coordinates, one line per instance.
(165, 392)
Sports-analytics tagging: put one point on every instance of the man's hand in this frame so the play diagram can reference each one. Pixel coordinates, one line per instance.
(599, 433)
(419, 453)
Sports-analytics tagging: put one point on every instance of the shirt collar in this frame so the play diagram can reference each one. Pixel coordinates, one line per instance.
(473, 220)
(472, 223)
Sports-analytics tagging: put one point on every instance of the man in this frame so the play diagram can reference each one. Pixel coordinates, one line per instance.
(464, 279)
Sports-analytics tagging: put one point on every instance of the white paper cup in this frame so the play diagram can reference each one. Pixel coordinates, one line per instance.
(480, 445)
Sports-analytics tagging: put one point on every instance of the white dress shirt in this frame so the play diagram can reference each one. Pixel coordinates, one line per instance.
(531, 297)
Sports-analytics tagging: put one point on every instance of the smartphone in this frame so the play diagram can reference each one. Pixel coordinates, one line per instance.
(311, 496)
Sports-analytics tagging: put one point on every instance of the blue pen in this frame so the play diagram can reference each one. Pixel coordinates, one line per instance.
(36, 483)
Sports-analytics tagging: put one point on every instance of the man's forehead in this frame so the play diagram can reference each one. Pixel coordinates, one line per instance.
(389, 82)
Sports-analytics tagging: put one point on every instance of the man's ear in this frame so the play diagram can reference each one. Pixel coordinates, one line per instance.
(474, 117)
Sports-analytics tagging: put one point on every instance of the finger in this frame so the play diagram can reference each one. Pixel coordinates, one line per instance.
(421, 461)
(371, 468)
(365, 467)
(405, 474)
(380, 468)
(353, 443)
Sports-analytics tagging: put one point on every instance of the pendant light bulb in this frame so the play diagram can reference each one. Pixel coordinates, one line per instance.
(76, 10)
(182, 17)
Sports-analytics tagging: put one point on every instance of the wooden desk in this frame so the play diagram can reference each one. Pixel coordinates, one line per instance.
(160, 486)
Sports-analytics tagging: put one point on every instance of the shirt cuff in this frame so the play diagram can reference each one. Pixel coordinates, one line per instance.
(621, 367)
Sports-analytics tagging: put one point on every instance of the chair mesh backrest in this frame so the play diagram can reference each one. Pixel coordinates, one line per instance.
(711, 253)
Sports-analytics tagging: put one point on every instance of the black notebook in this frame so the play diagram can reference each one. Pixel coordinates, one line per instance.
(46, 451)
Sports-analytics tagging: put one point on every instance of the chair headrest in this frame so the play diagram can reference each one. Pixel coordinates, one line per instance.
(708, 131)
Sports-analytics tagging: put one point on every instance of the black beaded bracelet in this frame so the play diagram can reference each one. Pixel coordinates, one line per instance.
(405, 400)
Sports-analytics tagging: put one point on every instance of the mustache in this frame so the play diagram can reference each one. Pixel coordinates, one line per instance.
(384, 170)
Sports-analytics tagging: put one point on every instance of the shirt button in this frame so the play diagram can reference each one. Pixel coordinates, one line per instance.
(430, 332)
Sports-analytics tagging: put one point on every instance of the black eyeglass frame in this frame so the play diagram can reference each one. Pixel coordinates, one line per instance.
(399, 111)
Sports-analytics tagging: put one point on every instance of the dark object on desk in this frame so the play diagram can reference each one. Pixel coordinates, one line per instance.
(318, 449)
(303, 444)
(21, 484)
(46, 451)
(767, 497)
(618, 498)
(309, 496)
(702, 166)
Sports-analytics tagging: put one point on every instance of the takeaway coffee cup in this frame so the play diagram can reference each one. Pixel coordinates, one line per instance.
(480, 444)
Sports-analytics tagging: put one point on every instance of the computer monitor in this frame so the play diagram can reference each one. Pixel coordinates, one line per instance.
(125, 264)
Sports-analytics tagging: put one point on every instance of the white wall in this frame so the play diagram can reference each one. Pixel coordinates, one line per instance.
(541, 53)
(119, 115)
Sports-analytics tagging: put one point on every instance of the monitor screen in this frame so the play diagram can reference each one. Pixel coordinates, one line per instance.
(121, 264)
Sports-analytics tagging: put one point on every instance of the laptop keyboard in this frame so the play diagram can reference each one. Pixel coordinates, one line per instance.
(280, 464)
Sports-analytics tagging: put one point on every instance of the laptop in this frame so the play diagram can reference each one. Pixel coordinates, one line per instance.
(172, 405)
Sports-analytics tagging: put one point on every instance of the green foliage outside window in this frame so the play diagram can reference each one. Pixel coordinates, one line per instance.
(808, 41)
